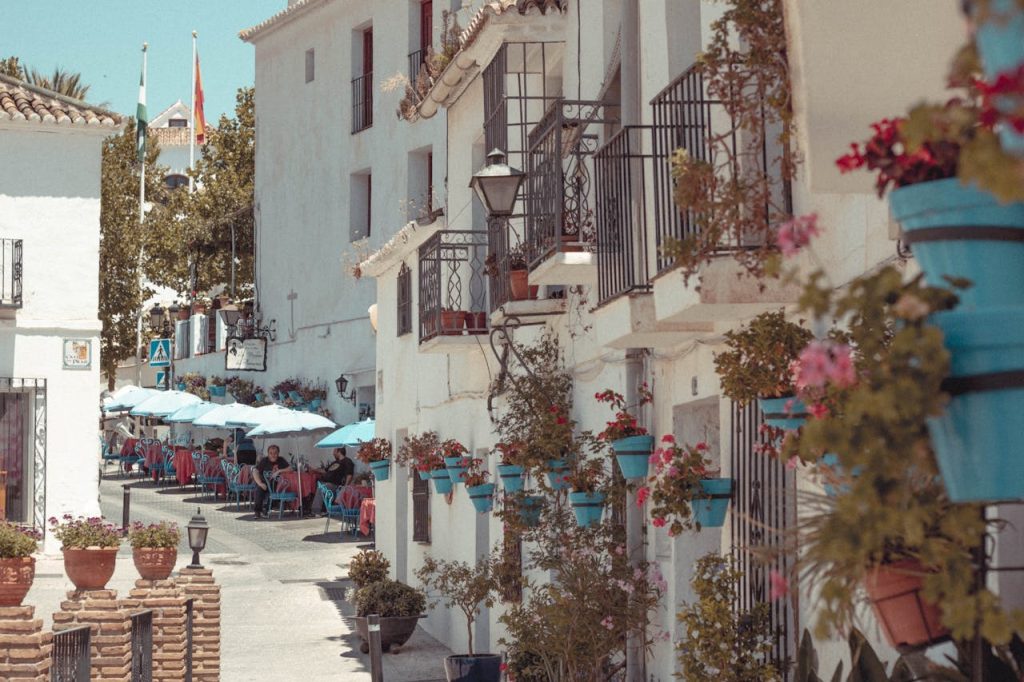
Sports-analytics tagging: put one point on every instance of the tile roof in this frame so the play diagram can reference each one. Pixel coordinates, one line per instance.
(20, 101)
(499, 7)
(293, 9)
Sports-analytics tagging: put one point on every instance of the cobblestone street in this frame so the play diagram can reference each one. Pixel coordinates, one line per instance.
(283, 584)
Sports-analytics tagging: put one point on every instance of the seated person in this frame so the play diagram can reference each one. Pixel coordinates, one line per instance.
(336, 474)
(272, 462)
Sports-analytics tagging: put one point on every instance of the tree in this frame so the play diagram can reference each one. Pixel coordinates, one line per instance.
(9, 66)
(121, 297)
(190, 242)
(64, 82)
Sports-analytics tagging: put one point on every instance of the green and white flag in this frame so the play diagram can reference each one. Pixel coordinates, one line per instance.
(140, 113)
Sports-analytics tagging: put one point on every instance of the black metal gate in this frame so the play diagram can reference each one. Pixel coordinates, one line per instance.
(764, 504)
(70, 658)
(189, 619)
(142, 646)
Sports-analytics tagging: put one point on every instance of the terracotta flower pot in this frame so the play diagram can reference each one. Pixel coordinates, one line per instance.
(155, 563)
(90, 569)
(907, 619)
(519, 285)
(183, 313)
(452, 322)
(476, 322)
(15, 579)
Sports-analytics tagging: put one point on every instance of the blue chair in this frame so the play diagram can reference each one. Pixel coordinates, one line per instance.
(169, 471)
(278, 491)
(108, 454)
(347, 515)
(207, 480)
(233, 473)
(197, 465)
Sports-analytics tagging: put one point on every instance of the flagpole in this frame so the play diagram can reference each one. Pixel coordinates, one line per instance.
(142, 215)
(192, 119)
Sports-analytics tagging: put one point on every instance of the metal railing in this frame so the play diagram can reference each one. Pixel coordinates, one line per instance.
(404, 300)
(452, 289)
(71, 657)
(142, 646)
(190, 615)
(362, 102)
(416, 60)
(10, 273)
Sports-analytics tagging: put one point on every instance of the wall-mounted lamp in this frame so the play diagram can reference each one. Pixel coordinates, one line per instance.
(497, 184)
(372, 312)
(341, 383)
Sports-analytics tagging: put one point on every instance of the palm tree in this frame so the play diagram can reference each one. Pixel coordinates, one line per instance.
(64, 82)
(10, 67)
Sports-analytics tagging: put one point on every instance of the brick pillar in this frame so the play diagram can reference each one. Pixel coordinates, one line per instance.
(198, 583)
(111, 629)
(167, 602)
(24, 647)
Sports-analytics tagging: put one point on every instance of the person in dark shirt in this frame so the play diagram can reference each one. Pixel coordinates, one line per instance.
(336, 474)
(245, 451)
(272, 462)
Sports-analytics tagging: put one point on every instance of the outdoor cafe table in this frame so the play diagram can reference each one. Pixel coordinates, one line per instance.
(291, 478)
(367, 514)
(184, 466)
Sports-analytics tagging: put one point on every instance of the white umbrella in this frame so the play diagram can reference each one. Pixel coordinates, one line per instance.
(224, 416)
(190, 412)
(127, 397)
(258, 415)
(164, 403)
(285, 422)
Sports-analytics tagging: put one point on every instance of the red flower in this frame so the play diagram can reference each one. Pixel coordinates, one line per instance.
(503, 667)
(641, 495)
(658, 521)
(668, 438)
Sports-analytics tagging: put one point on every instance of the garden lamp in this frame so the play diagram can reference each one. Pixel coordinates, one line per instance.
(197, 530)
(497, 184)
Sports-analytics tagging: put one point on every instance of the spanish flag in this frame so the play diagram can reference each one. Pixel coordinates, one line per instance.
(200, 119)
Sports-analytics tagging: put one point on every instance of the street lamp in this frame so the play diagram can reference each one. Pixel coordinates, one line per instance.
(156, 317)
(497, 184)
(197, 530)
(341, 383)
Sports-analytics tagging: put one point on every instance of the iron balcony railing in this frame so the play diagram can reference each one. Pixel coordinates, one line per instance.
(10, 273)
(362, 102)
(404, 296)
(452, 286)
(416, 60)
(71, 657)
(142, 646)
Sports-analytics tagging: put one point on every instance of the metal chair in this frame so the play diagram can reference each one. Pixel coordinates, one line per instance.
(344, 510)
(108, 454)
(169, 471)
(157, 467)
(233, 473)
(206, 479)
(183, 440)
(277, 491)
(199, 459)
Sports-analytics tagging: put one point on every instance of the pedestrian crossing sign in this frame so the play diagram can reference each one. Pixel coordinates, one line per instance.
(161, 379)
(160, 353)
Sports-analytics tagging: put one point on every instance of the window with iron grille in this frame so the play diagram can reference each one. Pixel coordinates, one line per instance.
(310, 65)
(404, 300)
(420, 509)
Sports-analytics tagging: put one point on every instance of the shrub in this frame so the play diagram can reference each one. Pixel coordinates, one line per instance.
(82, 532)
(163, 534)
(367, 567)
(389, 599)
(757, 362)
(17, 542)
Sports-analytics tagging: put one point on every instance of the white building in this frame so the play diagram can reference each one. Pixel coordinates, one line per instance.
(171, 128)
(49, 297)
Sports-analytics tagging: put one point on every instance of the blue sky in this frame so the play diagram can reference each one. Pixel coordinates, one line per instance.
(102, 39)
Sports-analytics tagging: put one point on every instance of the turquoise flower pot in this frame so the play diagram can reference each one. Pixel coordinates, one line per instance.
(588, 508)
(557, 474)
(511, 476)
(633, 455)
(977, 440)
(295, 396)
(482, 496)
(456, 472)
(1001, 46)
(315, 404)
(259, 397)
(530, 508)
(181, 385)
(381, 469)
(218, 391)
(424, 475)
(959, 231)
(787, 413)
(442, 481)
(710, 512)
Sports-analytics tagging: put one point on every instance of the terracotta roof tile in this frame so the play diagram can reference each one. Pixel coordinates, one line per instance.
(20, 101)
(499, 7)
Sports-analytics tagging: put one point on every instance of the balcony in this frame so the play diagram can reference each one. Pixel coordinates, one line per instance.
(362, 102)
(416, 60)
(10, 274)
(452, 290)
(512, 294)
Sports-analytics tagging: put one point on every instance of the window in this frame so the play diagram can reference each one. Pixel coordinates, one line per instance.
(310, 65)
(420, 509)
(177, 123)
(422, 41)
(362, 85)
(360, 189)
(420, 187)
(404, 300)
(176, 180)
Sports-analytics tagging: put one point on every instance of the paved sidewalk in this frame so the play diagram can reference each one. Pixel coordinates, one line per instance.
(282, 586)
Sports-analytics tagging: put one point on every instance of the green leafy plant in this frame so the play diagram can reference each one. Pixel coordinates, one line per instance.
(82, 533)
(374, 450)
(16, 541)
(368, 566)
(722, 644)
(389, 599)
(586, 475)
(675, 483)
(864, 663)
(757, 361)
(162, 534)
(215, 380)
(461, 586)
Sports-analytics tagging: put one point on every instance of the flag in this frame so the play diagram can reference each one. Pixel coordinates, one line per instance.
(140, 115)
(199, 118)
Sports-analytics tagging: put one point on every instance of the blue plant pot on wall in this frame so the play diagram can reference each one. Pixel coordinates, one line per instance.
(710, 512)
(1002, 49)
(181, 385)
(633, 455)
(424, 475)
(556, 477)
(259, 397)
(454, 469)
(295, 396)
(482, 496)
(588, 507)
(442, 481)
(958, 231)
(218, 391)
(315, 404)
(530, 507)
(788, 413)
(511, 476)
(977, 440)
(381, 469)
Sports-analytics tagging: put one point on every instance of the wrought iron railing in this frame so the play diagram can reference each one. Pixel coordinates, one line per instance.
(71, 657)
(416, 60)
(452, 286)
(142, 646)
(10, 273)
(362, 102)
(190, 615)
(404, 300)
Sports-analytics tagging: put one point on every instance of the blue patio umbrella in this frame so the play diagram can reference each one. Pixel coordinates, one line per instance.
(190, 412)
(350, 434)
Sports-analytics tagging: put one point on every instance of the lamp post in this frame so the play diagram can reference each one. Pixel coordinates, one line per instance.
(160, 323)
(197, 531)
(497, 184)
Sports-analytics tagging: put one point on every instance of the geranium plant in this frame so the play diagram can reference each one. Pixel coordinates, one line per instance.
(215, 380)
(82, 533)
(476, 472)
(421, 451)
(586, 475)
(625, 423)
(510, 453)
(374, 450)
(17, 542)
(162, 534)
(675, 483)
(757, 359)
(453, 448)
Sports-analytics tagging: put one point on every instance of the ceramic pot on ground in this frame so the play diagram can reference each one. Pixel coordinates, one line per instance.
(16, 577)
(473, 668)
(476, 322)
(906, 618)
(90, 569)
(394, 632)
(155, 563)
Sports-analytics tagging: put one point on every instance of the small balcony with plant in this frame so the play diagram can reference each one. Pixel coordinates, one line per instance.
(452, 290)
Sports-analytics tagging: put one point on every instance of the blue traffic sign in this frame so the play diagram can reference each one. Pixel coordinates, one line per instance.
(161, 380)
(160, 353)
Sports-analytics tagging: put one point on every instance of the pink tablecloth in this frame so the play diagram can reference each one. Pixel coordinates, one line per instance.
(128, 447)
(367, 515)
(309, 479)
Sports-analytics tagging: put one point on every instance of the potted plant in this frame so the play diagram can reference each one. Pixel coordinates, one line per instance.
(509, 470)
(368, 566)
(89, 547)
(399, 607)
(376, 453)
(465, 588)
(183, 311)
(456, 459)
(481, 493)
(476, 322)
(200, 305)
(756, 365)
(684, 490)
(519, 275)
(420, 452)
(630, 441)
(154, 548)
(17, 565)
(586, 497)
(216, 386)
(452, 321)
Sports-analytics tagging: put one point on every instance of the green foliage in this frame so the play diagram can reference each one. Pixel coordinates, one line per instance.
(10, 66)
(756, 364)
(369, 566)
(82, 533)
(65, 82)
(193, 232)
(17, 542)
(675, 484)
(720, 644)
(865, 664)
(462, 586)
(163, 534)
(389, 599)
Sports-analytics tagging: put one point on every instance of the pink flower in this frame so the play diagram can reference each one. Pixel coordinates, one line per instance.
(823, 362)
(701, 446)
(779, 585)
(655, 458)
(842, 372)
(658, 521)
(667, 456)
(819, 410)
(797, 233)
(641, 495)
(608, 622)
(792, 462)
(620, 550)
(673, 471)
(668, 438)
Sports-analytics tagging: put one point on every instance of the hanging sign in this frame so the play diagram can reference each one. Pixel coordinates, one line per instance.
(246, 355)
